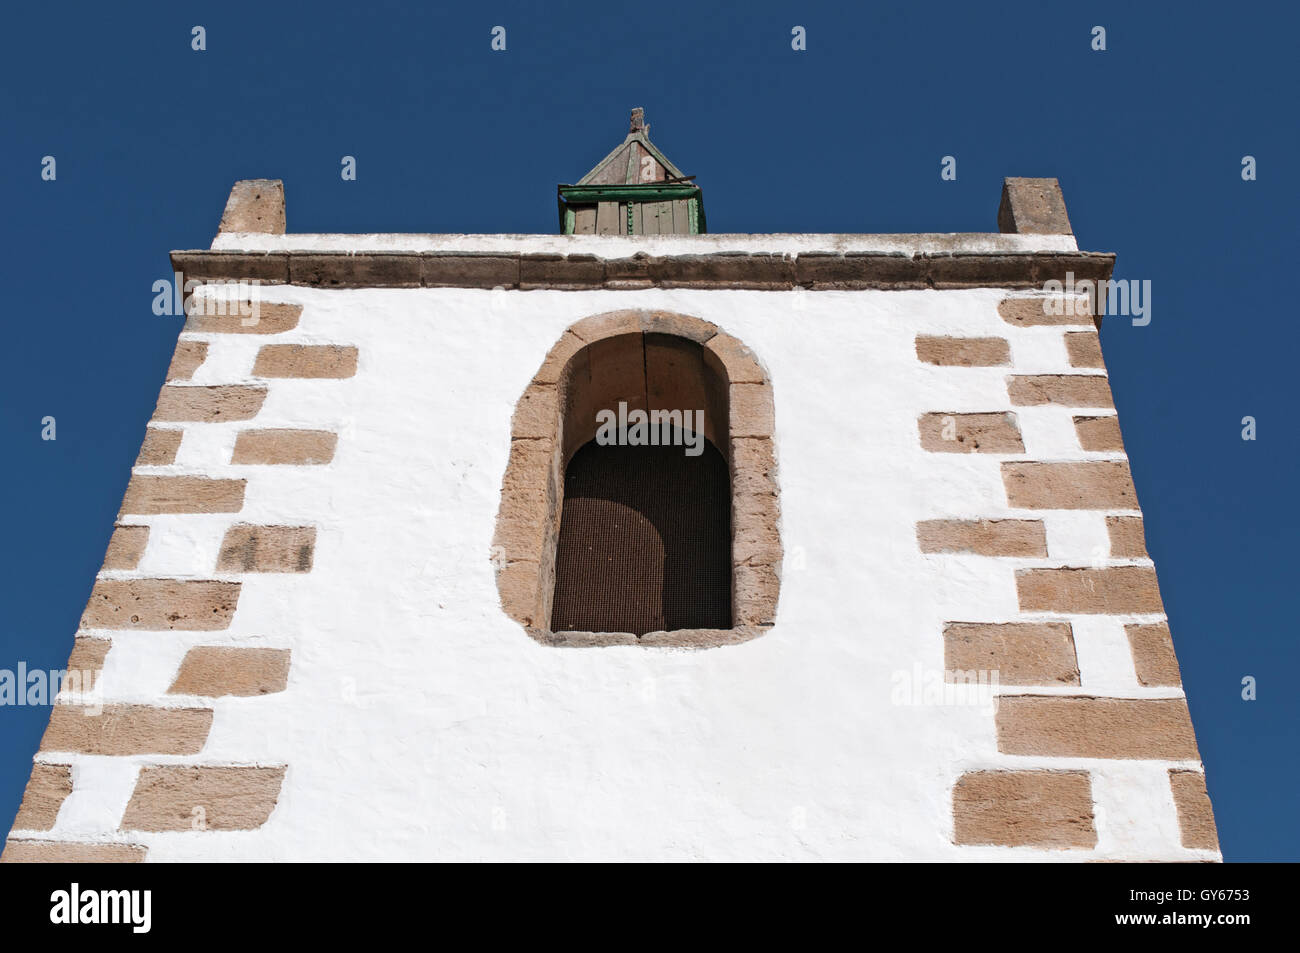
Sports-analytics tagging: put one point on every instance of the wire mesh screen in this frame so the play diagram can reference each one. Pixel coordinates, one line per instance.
(645, 541)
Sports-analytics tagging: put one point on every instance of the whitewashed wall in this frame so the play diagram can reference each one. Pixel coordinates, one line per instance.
(421, 723)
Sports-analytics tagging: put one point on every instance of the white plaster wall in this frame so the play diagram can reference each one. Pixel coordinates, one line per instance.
(421, 723)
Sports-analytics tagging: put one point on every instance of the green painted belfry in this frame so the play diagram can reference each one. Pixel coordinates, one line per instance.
(634, 190)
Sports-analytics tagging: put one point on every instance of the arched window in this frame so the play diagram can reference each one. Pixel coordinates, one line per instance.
(639, 505)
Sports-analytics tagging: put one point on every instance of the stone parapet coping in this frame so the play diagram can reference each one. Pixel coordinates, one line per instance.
(625, 246)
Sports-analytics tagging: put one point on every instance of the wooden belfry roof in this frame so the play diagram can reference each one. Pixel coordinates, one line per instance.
(634, 190)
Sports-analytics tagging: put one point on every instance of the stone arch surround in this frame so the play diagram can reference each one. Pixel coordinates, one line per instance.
(592, 366)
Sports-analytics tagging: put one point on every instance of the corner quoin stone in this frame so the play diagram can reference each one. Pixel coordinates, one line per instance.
(1084, 349)
(186, 359)
(192, 404)
(983, 537)
(87, 660)
(47, 788)
(161, 604)
(963, 352)
(69, 852)
(1152, 649)
(306, 360)
(285, 447)
(159, 447)
(147, 494)
(248, 548)
(214, 671)
(126, 546)
(1046, 311)
(1022, 653)
(1085, 485)
(1087, 727)
(1127, 538)
(1195, 814)
(270, 319)
(232, 798)
(1024, 809)
(1112, 590)
(127, 730)
(1099, 433)
(971, 433)
(1064, 390)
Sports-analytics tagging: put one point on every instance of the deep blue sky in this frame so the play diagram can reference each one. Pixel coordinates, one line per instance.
(1146, 138)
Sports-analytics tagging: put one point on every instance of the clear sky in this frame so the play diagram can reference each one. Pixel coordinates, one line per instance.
(1146, 137)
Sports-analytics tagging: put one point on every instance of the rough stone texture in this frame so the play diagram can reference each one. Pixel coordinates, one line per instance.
(1127, 539)
(963, 352)
(209, 404)
(185, 604)
(248, 548)
(1022, 653)
(1154, 660)
(213, 671)
(755, 590)
(527, 519)
(87, 661)
(702, 638)
(1195, 814)
(125, 547)
(230, 798)
(752, 411)
(47, 787)
(1117, 589)
(1065, 390)
(1084, 349)
(269, 319)
(561, 272)
(127, 730)
(831, 271)
(285, 447)
(755, 505)
(739, 365)
(678, 325)
(182, 494)
(159, 447)
(1099, 433)
(607, 325)
(1083, 485)
(1033, 207)
(267, 267)
(1086, 727)
(69, 852)
(552, 369)
(303, 360)
(186, 359)
(1024, 809)
(344, 270)
(469, 270)
(1046, 310)
(761, 271)
(518, 585)
(677, 638)
(255, 205)
(983, 537)
(971, 433)
(537, 415)
(755, 539)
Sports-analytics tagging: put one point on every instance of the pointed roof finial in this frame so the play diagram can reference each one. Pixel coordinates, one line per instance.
(638, 120)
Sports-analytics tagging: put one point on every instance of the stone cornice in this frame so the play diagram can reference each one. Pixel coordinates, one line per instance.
(767, 271)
